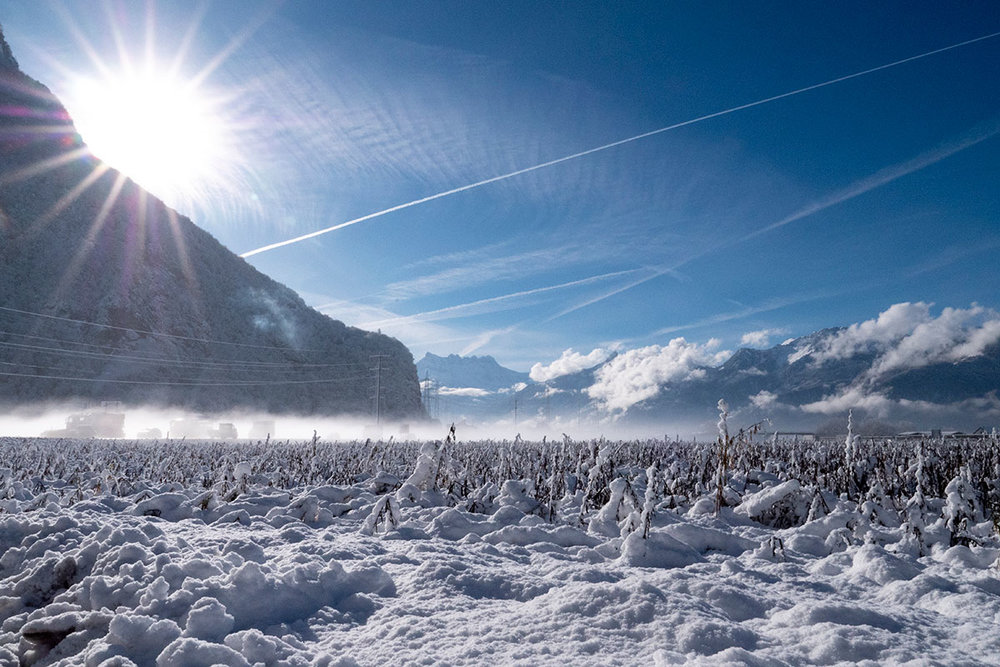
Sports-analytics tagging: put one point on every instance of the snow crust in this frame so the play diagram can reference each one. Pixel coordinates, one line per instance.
(253, 574)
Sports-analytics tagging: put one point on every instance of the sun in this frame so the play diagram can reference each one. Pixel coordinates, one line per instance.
(166, 134)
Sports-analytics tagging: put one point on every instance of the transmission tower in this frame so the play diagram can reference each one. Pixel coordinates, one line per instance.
(430, 391)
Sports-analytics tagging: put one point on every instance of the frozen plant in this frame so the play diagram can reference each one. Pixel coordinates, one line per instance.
(385, 514)
(850, 456)
(725, 444)
(649, 502)
(597, 475)
(426, 468)
(620, 505)
(961, 508)
(818, 508)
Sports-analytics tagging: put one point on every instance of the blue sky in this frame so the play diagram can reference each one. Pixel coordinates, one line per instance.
(818, 209)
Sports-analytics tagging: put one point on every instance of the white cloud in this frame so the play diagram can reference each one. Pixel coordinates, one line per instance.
(760, 338)
(474, 392)
(907, 335)
(977, 341)
(984, 407)
(764, 399)
(636, 375)
(889, 327)
(568, 362)
(955, 335)
(851, 398)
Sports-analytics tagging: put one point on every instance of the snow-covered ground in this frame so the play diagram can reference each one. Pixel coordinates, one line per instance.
(291, 554)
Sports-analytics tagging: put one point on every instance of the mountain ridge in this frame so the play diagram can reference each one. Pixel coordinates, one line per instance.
(108, 294)
(785, 383)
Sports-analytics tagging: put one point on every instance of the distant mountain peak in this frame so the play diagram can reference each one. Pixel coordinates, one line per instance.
(482, 372)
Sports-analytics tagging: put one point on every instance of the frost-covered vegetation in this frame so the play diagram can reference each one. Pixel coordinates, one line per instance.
(746, 548)
(954, 483)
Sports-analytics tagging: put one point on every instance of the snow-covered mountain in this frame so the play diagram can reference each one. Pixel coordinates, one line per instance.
(107, 294)
(455, 371)
(942, 371)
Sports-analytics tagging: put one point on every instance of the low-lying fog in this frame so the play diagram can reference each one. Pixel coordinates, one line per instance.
(74, 420)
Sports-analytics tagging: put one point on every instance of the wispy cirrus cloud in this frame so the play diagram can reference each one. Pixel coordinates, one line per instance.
(486, 337)
(496, 303)
(860, 187)
(767, 306)
(483, 271)
(885, 176)
(878, 179)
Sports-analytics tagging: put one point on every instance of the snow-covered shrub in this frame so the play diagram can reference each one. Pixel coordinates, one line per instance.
(961, 508)
(384, 515)
(621, 504)
(424, 473)
(781, 506)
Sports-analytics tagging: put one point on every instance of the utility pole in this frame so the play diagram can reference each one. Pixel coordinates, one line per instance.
(515, 411)
(378, 386)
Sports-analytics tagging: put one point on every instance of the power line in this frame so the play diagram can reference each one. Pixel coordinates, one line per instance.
(151, 333)
(64, 369)
(184, 383)
(231, 365)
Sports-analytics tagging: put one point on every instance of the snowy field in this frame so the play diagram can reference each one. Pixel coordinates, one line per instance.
(472, 553)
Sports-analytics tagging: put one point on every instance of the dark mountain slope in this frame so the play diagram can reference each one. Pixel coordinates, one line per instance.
(183, 320)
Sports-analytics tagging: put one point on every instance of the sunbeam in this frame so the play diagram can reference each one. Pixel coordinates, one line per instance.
(67, 199)
(83, 251)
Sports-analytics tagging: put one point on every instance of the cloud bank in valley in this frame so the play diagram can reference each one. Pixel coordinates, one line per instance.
(636, 375)
(906, 336)
(569, 362)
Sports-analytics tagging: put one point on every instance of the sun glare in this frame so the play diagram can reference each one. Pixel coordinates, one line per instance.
(164, 133)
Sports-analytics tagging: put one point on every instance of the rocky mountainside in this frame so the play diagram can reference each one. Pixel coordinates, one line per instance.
(107, 294)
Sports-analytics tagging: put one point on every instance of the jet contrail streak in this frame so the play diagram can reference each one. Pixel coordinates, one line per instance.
(883, 177)
(876, 180)
(550, 163)
(461, 309)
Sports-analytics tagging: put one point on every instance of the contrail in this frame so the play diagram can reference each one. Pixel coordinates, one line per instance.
(884, 177)
(876, 180)
(543, 165)
(461, 310)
